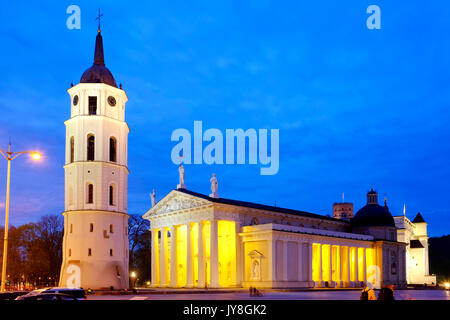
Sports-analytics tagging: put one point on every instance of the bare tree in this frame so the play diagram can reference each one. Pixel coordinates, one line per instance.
(139, 238)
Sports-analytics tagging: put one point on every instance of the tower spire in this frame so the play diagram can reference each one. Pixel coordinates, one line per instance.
(98, 18)
(98, 55)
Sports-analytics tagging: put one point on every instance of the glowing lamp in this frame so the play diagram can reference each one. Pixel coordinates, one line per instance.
(36, 156)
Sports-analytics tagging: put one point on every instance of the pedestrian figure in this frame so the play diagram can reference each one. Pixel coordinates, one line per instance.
(367, 292)
(387, 293)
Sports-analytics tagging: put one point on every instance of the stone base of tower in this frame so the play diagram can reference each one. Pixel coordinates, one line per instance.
(94, 275)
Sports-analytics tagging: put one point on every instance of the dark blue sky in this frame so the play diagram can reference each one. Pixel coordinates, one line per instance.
(356, 108)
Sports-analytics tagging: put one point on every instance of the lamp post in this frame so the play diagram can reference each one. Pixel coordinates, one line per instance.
(133, 276)
(9, 155)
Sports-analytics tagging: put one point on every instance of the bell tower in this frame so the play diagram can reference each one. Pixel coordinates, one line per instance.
(95, 245)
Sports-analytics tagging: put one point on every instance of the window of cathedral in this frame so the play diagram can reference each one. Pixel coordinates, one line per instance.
(92, 105)
(71, 228)
(110, 252)
(90, 193)
(91, 147)
(111, 229)
(89, 252)
(112, 149)
(72, 149)
(111, 195)
(70, 252)
(91, 227)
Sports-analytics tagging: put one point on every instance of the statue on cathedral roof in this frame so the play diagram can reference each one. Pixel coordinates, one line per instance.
(153, 197)
(214, 186)
(181, 185)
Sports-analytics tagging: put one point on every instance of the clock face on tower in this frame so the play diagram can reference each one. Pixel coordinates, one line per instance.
(112, 101)
(75, 100)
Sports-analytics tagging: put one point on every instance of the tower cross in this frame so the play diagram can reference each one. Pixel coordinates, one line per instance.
(98, 18)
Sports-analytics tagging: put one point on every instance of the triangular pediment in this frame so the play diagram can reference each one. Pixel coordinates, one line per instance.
(176, 201)
(255, 254)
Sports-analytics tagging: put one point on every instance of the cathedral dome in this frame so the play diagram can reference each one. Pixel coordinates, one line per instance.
(98, 73)
(372, 214)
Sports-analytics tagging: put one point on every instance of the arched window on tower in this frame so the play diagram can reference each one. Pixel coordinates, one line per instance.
(111, 195)
(112, 149)
(91, 147)
(72, 149)
(90, 193)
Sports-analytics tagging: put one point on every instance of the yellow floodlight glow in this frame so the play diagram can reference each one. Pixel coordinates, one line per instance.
(36, 156)
(227, 252)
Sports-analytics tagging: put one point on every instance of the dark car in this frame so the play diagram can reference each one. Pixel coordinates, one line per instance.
(11, 295)
(78, 294)
(46, 296)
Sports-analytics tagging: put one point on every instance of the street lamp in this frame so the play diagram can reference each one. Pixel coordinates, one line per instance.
(9, 155)
(133, 276)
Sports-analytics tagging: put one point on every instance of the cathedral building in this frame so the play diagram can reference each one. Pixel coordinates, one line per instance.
(207, 241)
(95, 244)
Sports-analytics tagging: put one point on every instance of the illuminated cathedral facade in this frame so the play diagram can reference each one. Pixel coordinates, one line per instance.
(209, 242)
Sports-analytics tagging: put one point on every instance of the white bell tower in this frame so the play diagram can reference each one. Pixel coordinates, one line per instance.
(95, 246)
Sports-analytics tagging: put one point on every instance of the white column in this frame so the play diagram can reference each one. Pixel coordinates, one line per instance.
(299, 261)
(341, 281)
(154, 253)
(173, 257)
(285, 260)
(272, 260)
(162, 259)
(319, 253)
(357, 267)
(309, 260)
(364, 266)
(189, 259)
(237, 228)
(349, 260)
(201, 257)
(330, 259)
(214, 255)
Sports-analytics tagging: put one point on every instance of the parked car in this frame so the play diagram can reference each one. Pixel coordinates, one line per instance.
(11, 295)
(46, 296)
(78, 294)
